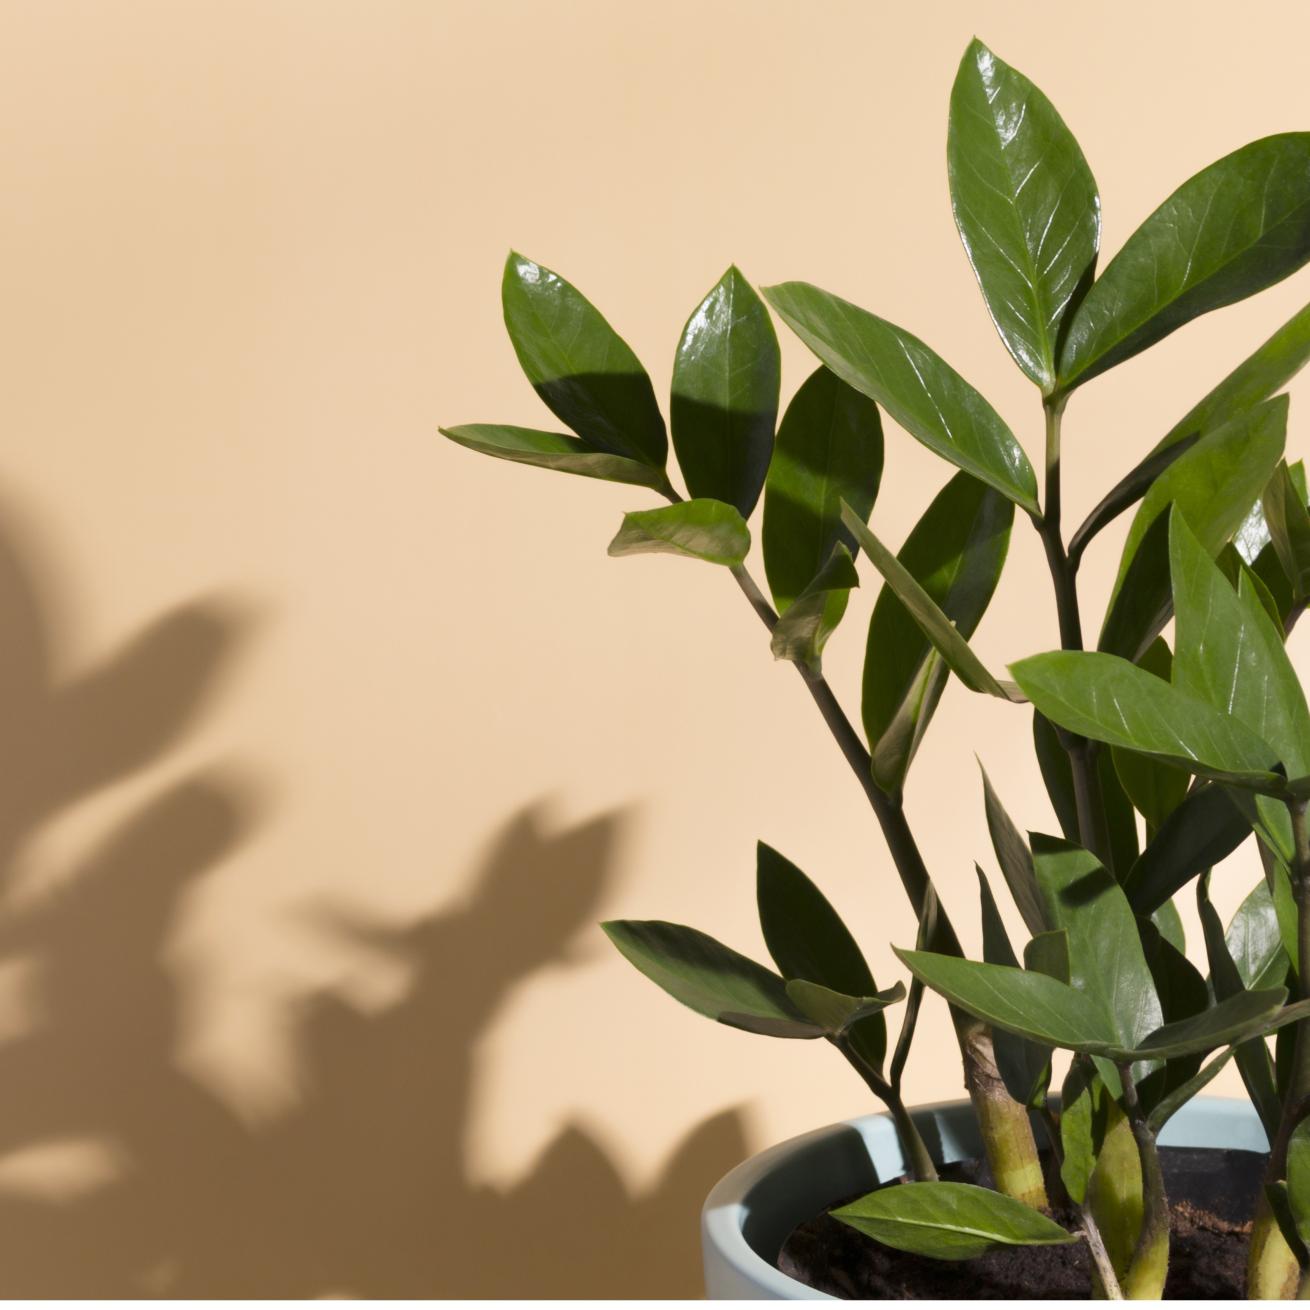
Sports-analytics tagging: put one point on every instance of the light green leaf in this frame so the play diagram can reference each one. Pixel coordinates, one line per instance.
(1025, 203)
(554, 450)
(710, 978)
(1108, 699)
(699, 529)
(955, 552)
(1233, 229)
(1298, 1179)
(922, 392)
(1081, 1127)
(829, 449)
(1214, 484)
(925, 611)
(584, 371)
(949, 1221)
(803, 630)
(835, 1012)
(1235, 1019)
(724, 405)
(1253, 941)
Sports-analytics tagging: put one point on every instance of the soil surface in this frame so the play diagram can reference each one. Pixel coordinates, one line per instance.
(1212, 1195)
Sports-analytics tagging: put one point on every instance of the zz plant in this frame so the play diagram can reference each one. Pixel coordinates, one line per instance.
(1160, 757)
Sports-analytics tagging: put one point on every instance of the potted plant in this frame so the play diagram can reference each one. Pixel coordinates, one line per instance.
(1160, 757)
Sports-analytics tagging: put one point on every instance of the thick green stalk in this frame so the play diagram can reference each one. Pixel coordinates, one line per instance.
(1145, 1278)
(1006, 1129)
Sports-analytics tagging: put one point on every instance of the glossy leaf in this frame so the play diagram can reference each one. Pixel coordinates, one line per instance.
(1230, 655)
(710, 978)
(699, 529)
(807, 939)
(1025, 203)
(1253, 941)
(835, 1012)
(1169, 924)
(803, 631)
(1289, 529)
(554, 450)
(1106, 960)
(724, 405)
(922, 392)
(1214, 484)
(829, 449)
(1048, 953)
(1268, 369)
(1155, 789)
(1206, 828)
(584, 371)
(933, 622)
(955, 552)
(949, 1221)
(1235, 1019)
(1081, 1128)
(1015, 859)
(1108, 699)
(1233, 229)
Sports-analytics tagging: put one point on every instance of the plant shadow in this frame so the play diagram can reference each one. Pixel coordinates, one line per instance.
(122, 1175)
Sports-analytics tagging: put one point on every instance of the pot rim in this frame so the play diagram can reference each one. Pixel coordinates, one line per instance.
(728, 1208)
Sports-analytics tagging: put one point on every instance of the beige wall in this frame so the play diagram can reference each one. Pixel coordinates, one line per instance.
(327, 742)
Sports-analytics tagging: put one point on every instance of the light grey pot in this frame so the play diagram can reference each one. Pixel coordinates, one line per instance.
(752, 1209)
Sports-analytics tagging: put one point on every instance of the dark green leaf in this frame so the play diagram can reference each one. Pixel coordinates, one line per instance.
(1280, 1202)
(1155, 789)
(1025, 203)
(1266, 370)
(1206, 828)
(725, 394)
(710, 978)
(578, 364)
(1214, 485)
(1108, 699)
(554, 450)
(949, 1221)
(1233, 229)
(1246, 1015)
(1057, 774)
(1048, 953)
(1031, 1005)
(1298, 1179)
(1081, 1128)
(1239, 574)
(1230, 655)
(933, 622)
(803, 631)
(955, 553)
(922, 392)
(699, 529)
(829, 449)
(807, 939)
(1106, 961)
(835, 1012)
(1014, 857)
(1289, 529)
(1174, 1100)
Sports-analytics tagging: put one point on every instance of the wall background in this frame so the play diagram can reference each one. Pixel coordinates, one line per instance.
(327, 742)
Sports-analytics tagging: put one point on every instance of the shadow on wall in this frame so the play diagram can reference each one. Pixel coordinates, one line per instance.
(362, 1188)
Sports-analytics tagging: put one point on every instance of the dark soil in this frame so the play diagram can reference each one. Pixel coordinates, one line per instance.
(1212, 1195)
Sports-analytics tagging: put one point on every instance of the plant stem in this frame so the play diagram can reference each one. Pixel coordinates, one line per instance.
(914, 1149)
(1092, 829)
(1006, 1130)
(1144, 1280)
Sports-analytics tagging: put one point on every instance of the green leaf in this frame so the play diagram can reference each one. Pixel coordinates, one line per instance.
(1280, 1203)
(1233, 229)
(724, 405)
(1031, 1005)
(578, 364)
(1253, 941)
(1289, 529)
(933, 622)
(1048, 953)
(829, 449)
(554, 450)
(1298, 1179)
(955, 552)
(1025, 1067)
(1025, 203)
(1057, 774)
(1214, 485)
(1081, 1128)
(808, 940)
(1235, 1019)
(1015, 859)
(1206, 828)
(1177, 1097)
(922, 392)
(803, 631)
(699, 529)
(1169, 925)
(1269, 368)
(1106, 960)
(1155, 789)
(710, 978)
(1108, 699)
(1230, 655)
(835, 1012)
(949, 1221)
